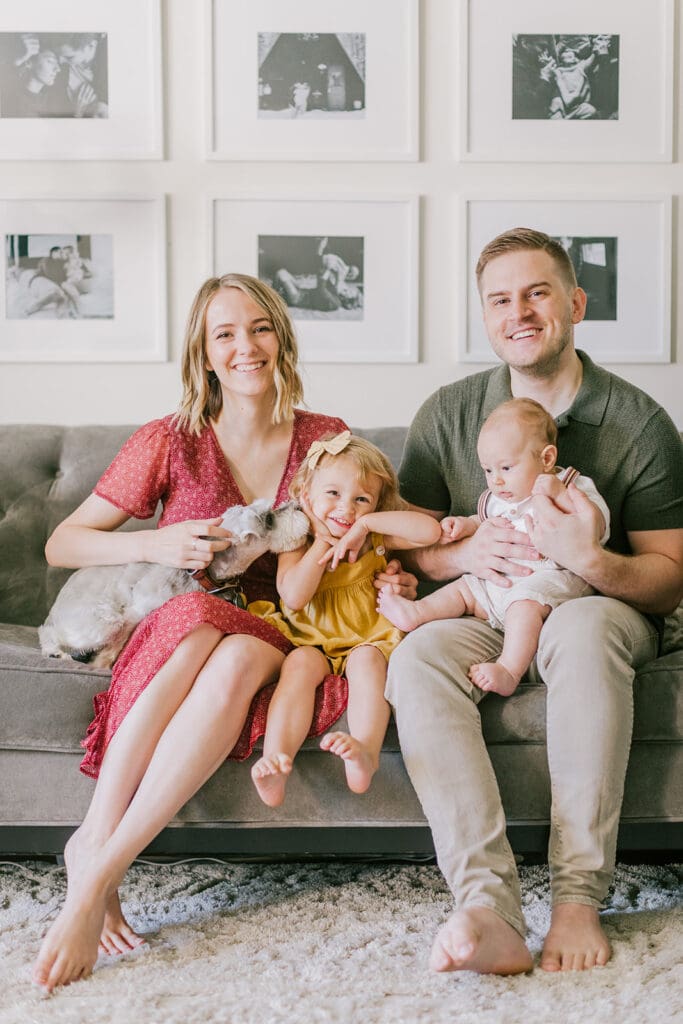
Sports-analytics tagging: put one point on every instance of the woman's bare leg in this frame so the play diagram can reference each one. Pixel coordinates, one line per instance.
(289, 719)
(211, 716)
(368, 717)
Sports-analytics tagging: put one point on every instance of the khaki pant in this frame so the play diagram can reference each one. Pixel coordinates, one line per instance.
(588, 653)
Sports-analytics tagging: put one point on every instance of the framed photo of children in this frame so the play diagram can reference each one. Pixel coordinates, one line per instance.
(621, 251)
(347, 269)
(81, 80)
(566, 82)
(301, 80)
(84, 280)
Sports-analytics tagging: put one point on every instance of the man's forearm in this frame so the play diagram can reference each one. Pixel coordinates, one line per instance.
(439, 562)
(650, 582)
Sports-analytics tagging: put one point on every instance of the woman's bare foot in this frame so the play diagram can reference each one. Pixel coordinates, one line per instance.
(576, 941)
(359, 764)
(117, 935)
(493, 677)
(69, 950)
(477, 939)
(399, 610)
(269, 775)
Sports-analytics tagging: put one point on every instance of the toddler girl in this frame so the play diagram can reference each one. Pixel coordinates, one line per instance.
(349, 491)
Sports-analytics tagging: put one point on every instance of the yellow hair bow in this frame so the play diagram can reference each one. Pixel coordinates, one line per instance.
(333, 446)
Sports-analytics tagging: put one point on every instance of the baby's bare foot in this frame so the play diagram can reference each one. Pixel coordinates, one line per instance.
(477, 939)
(493, 677)
(269, 775)
(576, 940)
(399, 610)
(359, 764)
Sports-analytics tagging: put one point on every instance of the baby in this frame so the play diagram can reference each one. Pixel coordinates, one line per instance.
(517, 448)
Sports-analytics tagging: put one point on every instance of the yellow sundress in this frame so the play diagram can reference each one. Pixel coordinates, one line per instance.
(342, 614)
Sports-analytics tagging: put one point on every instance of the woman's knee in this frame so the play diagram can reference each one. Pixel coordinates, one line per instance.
(239, 667)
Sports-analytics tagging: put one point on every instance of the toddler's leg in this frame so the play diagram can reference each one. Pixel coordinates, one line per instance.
(289, 718)
(450, 602)
(368, 716)
(523, 622)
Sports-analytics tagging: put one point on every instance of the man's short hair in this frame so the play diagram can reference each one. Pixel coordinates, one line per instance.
(519, 239)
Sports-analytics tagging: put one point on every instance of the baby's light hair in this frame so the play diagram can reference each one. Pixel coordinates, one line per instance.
(370, 461)
(534, 420)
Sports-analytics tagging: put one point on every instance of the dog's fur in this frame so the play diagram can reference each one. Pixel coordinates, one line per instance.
(99, 607)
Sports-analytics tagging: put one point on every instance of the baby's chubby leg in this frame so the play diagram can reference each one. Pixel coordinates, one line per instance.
(523, 623)
(449, 602)
(289, 720)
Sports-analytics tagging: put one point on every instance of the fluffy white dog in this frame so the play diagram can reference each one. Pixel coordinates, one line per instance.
(99, 607)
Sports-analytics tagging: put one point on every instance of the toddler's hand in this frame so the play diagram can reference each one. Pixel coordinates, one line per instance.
(348, 545)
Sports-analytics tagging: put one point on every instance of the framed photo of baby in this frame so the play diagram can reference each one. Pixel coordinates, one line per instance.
(80, 80)
(588, 82)
(79, 284)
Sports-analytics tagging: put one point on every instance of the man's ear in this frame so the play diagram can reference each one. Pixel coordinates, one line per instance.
(579, 300)
(549, 457)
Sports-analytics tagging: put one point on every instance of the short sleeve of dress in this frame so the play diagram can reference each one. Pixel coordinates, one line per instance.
(138, 477)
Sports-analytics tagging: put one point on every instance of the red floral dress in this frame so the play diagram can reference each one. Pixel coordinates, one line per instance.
(191, 478)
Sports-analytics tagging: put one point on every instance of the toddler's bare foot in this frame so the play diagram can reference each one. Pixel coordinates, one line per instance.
(576, 940)
(493, 677)
(399, 610)
(269, 775)
(359, 764)
(477, 939)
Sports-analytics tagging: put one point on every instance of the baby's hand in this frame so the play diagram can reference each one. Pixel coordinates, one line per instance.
(454, 528)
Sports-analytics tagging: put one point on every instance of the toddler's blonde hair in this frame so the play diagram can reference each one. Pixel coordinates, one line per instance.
(370, 461)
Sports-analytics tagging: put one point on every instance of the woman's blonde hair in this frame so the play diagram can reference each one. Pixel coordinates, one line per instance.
(202, 398)
(369, 459)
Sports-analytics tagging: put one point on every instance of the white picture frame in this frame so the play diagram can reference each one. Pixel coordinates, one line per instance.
(308, 88)
(115, 312)
(573, 82)
(264, 235)
(124, 122)
(626, 242)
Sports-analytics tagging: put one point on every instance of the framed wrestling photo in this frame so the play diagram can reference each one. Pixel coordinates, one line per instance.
(84, 280)
(347, 269)
(301, 80)
(80, 81)
(572, 82)
(621, 251)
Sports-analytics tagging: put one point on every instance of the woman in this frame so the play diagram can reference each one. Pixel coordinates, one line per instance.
(182, 688)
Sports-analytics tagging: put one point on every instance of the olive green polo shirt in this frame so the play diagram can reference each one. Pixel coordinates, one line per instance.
(613, 433)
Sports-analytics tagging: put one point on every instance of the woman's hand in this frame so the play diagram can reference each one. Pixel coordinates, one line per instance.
(188, 545)
(400, 582)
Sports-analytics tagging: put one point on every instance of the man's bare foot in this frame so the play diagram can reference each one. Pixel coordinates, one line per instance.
(269, 775)
(69, 949)
(117, 935)
(576, 941)
(478, 939)
(493, 677)
(399, 610)
(359, 764)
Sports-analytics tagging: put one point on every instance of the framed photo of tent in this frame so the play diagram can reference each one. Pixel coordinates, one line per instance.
(80, 81)
(84, 280)
(573, 82)
(310, 81)
(621, 251)
(347, 269)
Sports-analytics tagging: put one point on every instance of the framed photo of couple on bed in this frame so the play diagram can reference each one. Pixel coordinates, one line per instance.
(80, 80)
(79, 285)
(347, 269)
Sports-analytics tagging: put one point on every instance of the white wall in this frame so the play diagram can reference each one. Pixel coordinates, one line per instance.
(119, 393)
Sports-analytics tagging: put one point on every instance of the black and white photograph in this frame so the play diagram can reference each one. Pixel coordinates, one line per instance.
(311, 75)
(54, 74)
(57, 277)
(565, 77)
(595, 263)
(319, 277)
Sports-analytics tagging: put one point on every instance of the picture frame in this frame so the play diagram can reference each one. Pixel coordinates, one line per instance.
(347, 269)
(81, 81)
(84, 280)
(583, 82)
(621, 250)
(308, 88)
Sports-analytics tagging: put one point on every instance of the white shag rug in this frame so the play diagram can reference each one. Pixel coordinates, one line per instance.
(331, 942)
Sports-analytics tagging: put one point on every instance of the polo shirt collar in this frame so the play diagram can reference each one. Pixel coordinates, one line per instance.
(588, 407)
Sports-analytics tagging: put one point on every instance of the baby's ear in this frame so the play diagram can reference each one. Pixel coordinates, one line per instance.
(549, 457)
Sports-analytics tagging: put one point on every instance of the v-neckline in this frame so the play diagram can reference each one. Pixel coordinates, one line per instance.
(228, 471)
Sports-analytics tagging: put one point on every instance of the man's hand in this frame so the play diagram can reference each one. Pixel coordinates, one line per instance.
(570, 539)
(400, 582)
(489, 553)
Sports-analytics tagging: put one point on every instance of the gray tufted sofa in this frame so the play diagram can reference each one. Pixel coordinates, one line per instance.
(46, 705)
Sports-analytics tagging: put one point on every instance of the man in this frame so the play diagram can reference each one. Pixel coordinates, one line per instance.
(589, 648)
